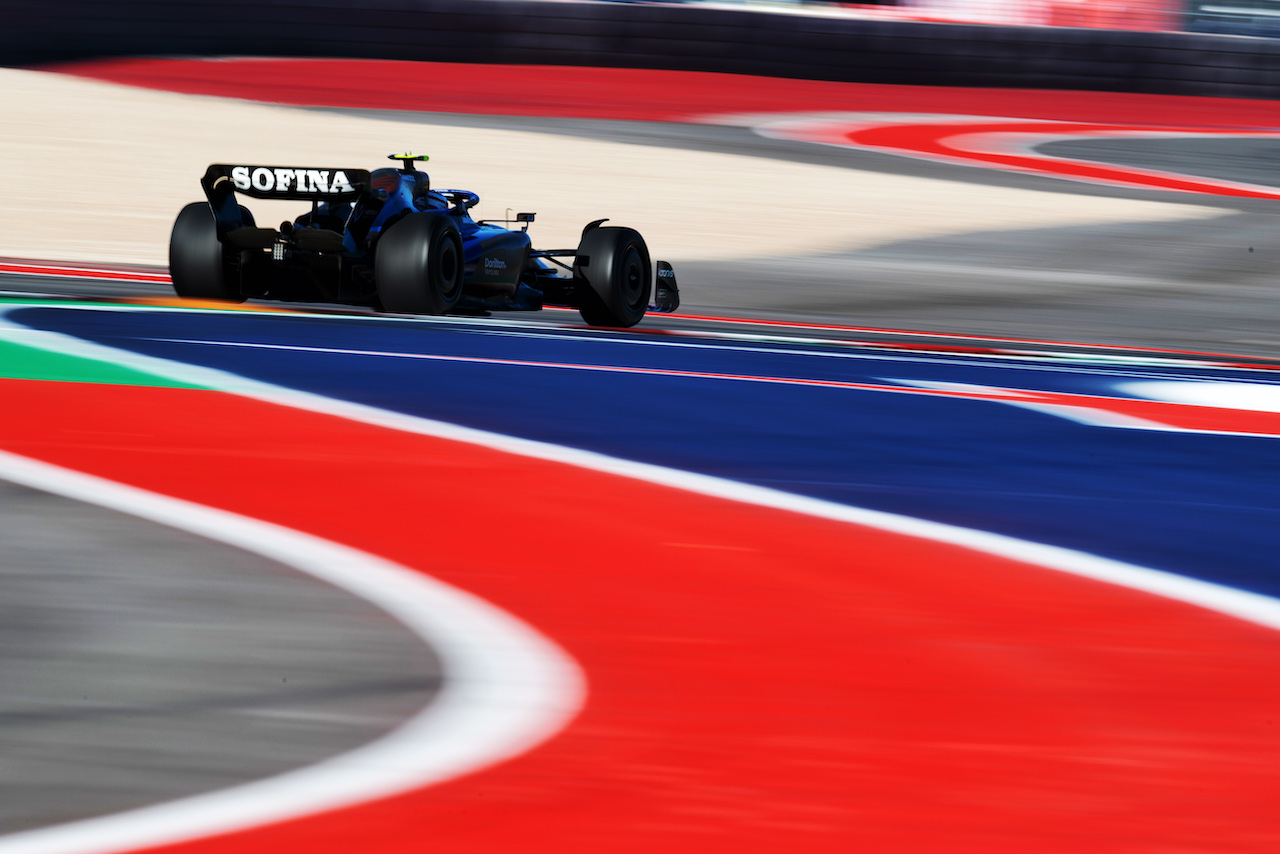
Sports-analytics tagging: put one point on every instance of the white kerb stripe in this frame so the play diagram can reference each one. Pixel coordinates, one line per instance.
(506, 687)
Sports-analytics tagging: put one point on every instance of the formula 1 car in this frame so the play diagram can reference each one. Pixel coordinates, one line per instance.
(386, 239)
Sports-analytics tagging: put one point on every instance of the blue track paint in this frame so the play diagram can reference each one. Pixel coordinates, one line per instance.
(1202, 505)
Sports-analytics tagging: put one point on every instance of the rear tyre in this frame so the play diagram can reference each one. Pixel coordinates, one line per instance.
(418, 265)
(615, 281)
(197, 263)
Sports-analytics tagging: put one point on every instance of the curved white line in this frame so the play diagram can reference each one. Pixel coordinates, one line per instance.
(1027, 145)
(1251, 607)
(506, 687)
(834, 128)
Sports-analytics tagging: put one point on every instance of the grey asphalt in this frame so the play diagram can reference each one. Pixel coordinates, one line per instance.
(1243, 159)
(1208, 285)
(139, 664)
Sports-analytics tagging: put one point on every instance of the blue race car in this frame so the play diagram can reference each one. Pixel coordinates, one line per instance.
(387, 240)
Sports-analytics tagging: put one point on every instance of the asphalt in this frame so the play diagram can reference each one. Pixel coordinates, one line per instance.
(1211, 285)
(1247, 160)
(140, 664)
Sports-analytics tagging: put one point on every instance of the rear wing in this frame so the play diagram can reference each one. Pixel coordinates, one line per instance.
(283, 182)
(222, 181)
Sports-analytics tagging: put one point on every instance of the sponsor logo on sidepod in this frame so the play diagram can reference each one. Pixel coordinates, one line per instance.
(493, 265)
(284, 180)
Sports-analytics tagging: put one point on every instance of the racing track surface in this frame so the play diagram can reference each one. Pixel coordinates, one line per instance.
(1047, 711)
(906, 686)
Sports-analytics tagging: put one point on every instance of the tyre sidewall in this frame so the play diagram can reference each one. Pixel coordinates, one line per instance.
(615, 256)
(197, 262)
(418, 265)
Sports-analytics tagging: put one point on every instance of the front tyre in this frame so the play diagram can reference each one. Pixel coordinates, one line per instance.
(418, 265)
(197, 264)
(615, 276)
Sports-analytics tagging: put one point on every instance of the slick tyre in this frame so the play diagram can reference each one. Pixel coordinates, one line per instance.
(418, 265)
(614, 268)
(197, 262)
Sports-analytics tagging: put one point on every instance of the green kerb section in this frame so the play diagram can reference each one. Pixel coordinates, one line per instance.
(31, 363)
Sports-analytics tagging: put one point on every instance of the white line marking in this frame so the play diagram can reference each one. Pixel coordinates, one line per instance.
(1250, 397)
(1091, 417)
(46, 270)
(834, 129)
(1100, 416)
(564, 366)
(1251, 607)
(1027, 145)
(883, 350)
(1025, 361)
(1024, 399)
(986, 392)
(516, 327)
(1251, 11)
(506, 687)
(1080, 414)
